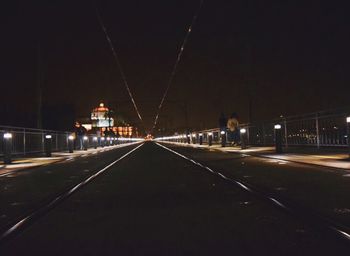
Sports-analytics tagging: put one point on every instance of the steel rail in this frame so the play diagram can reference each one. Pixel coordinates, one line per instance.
(311, 219)
(36, 214)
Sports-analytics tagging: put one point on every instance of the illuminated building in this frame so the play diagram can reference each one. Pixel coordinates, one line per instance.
(100, 117)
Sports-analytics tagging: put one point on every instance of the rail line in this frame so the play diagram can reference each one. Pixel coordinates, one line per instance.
(36, 214)
(338, 230)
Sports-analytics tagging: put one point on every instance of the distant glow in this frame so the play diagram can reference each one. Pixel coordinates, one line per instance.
(278, 126)
(71, 137)
(131, 139)
(103, 138)
(194, 135)
(95, 138)
(48, 136)
(102, 105)
(108, 138)
(87, 126)
(86, 138)
(7, 135)
(201, 134)
(243, 130)
(222, 132)
(348, 119)
(210, 133)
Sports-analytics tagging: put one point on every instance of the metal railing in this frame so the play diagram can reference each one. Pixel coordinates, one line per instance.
(29, 141)
(320, 129)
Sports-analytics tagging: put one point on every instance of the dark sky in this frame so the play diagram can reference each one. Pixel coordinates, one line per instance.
(288, 57)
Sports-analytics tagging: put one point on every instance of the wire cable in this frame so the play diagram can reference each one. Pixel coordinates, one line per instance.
(118, 63)
(177, 63)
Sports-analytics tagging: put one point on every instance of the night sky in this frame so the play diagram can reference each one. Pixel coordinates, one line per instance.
(287, 57)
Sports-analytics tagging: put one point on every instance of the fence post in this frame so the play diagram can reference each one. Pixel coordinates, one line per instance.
(317, 132)
(285, 133)
(57, 142)
(24, 141)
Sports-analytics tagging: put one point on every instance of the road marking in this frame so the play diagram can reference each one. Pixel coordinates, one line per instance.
(58, 199)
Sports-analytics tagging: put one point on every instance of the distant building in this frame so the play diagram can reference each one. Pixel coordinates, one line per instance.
(102, 119)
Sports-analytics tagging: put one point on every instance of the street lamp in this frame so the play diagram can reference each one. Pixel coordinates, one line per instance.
(95, 140)
(210, 138)
(278, 138)
(85, 142)
(70, 143)
(223, 138)
(7, 148)
(200, 138)
(243, 133)
(48, 145)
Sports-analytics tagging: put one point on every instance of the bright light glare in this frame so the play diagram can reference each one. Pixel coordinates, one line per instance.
(86, 138)
(108, 138)
(194, 135)
(95, 138)
(103, 138)
(71, 137)
(222, 132)
(210, 133)
(131, 139)
(278, 126)
(48, 136)
(348, 119)
(201, 134)
(243, 130)
(7, 135)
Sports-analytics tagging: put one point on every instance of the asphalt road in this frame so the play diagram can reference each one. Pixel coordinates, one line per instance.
(155, 202)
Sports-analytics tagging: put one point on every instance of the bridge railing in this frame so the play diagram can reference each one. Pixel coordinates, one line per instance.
(29, 141)
(320, 129)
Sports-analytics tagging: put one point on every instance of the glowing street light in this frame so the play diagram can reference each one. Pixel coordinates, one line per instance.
(70, 143)
(7, 148)
(278, 138)
(243, 132)
(7, 135)
(210, 138)
(48, 145)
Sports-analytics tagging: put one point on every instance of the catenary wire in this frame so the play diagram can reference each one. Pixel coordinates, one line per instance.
(118, 63)
(177, 63)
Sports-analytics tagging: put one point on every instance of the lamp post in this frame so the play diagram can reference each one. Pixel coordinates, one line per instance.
(95, 141)
(7, 148)
(210, 138)
(200, 138)
(278, 138)
(243, 133)
(223, 138)
(85, 142)
(48, 145)
(102, 141)
(70, 143)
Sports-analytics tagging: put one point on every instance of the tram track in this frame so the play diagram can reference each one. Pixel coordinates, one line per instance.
(309, 217)
(20, 224)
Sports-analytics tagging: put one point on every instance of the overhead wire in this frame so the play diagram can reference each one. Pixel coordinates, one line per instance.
(194, 19)
(118, 63)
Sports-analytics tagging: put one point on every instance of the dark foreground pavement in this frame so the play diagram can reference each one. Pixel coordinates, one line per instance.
(154, 202)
